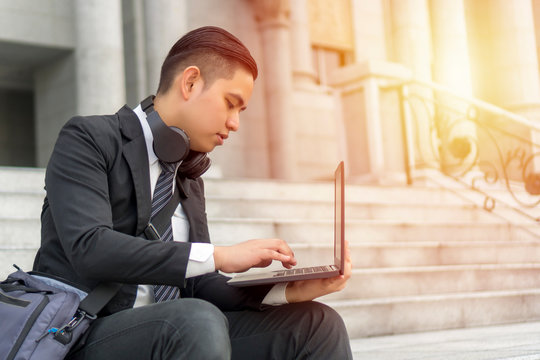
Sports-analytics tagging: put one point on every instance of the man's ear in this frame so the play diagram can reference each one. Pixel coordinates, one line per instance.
(190, 76)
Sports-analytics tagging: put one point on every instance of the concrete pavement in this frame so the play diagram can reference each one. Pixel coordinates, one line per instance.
(503, 342)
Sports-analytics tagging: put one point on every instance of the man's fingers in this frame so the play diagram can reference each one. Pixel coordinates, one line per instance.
(253, 253)
(282, 247)
(276, 255)
(283, 253)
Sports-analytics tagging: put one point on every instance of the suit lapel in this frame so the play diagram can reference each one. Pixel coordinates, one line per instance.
(135, 153)
(192, 200)
(184, 186)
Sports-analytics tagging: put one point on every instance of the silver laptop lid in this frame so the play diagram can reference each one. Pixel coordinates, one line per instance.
(339, 217)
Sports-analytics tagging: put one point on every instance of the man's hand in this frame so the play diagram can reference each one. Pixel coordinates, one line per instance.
(308, 290)
(253, 253)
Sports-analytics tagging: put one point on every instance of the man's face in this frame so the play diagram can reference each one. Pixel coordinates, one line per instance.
(213, 112)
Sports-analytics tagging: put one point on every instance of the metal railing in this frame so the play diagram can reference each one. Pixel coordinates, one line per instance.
(488, 149)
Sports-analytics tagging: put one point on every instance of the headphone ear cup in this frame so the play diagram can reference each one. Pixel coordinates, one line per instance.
(170, 144)
(195, 164)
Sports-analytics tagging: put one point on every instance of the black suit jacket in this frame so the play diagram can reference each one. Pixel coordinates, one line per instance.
(98, 202)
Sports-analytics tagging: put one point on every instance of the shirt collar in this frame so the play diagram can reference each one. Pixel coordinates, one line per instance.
(148, 137)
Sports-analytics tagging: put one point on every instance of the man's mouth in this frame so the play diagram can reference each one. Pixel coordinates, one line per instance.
(222, 138)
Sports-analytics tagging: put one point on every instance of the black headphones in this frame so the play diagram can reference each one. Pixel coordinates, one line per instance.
(171, 144)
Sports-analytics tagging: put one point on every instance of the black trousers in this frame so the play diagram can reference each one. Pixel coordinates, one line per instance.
(196, 329)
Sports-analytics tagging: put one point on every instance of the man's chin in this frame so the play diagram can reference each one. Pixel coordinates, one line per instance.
(203, 149)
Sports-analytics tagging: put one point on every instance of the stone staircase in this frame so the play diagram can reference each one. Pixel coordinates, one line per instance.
(424, 258)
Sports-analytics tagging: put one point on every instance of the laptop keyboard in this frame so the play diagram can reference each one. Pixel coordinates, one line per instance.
(306, 270)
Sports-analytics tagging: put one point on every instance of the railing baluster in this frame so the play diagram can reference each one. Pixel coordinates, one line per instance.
(494, 143)
(406, 133)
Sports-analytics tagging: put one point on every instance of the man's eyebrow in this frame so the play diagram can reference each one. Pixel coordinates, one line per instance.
(239, 99)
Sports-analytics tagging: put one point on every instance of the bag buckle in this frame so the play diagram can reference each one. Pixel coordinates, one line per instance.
(63, 335)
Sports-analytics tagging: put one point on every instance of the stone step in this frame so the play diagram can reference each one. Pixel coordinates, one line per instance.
(16, 179)
(20, 233)
(408, 254)
(32, 180)
(28, 204)
(230, 230)
(508, 200)
(407, 314)
(24, 258)
(380, 255)
(392, 254)
(219, 206)
(421, 254)
(244, 189)
(430, 253)
(22, 190)
(425, 280)
(518, 341)
(25, 232)
(445, 191)
(431, 280)
(21, 205)
(22, 193)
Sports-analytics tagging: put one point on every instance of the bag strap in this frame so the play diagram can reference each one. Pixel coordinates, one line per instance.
(21, 287)
(98, 298)
(104, 292)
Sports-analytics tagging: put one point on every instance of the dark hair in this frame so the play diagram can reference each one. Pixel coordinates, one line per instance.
(216, 52)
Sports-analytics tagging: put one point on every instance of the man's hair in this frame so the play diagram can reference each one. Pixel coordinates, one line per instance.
(216, 52)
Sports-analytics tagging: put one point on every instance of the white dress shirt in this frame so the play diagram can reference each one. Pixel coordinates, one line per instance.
(201, 259)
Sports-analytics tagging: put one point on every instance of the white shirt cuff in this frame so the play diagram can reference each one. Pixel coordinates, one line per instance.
(276, 295)
(201, 260)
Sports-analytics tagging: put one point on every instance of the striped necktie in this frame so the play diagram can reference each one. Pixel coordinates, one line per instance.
(162, 194)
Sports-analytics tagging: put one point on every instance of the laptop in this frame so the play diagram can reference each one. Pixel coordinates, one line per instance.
(313, 272)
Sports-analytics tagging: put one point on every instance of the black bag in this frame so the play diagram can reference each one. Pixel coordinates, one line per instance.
(42, 321)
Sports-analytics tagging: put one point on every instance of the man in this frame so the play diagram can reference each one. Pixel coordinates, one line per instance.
(103, 182)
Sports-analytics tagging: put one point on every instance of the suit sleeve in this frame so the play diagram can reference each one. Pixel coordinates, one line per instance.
(213, 286)
(78, 194)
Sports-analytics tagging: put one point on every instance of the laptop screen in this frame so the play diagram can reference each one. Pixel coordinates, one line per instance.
(339, 217)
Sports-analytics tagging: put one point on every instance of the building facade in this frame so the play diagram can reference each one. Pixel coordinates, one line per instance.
(325, 69)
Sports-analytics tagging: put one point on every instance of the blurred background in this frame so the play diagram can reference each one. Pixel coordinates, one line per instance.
(326, 68)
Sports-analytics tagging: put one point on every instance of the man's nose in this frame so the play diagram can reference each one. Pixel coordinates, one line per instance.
(233, 122)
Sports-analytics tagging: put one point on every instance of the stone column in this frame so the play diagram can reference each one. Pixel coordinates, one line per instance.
(165, 23)
(55, 103)
(369, 33)
(135, 51)
(514, 57)
(99, 56)
(273, 17)
(451, 68)
(514, 76)
(411, 36)
(302, 63)
(536, 20)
